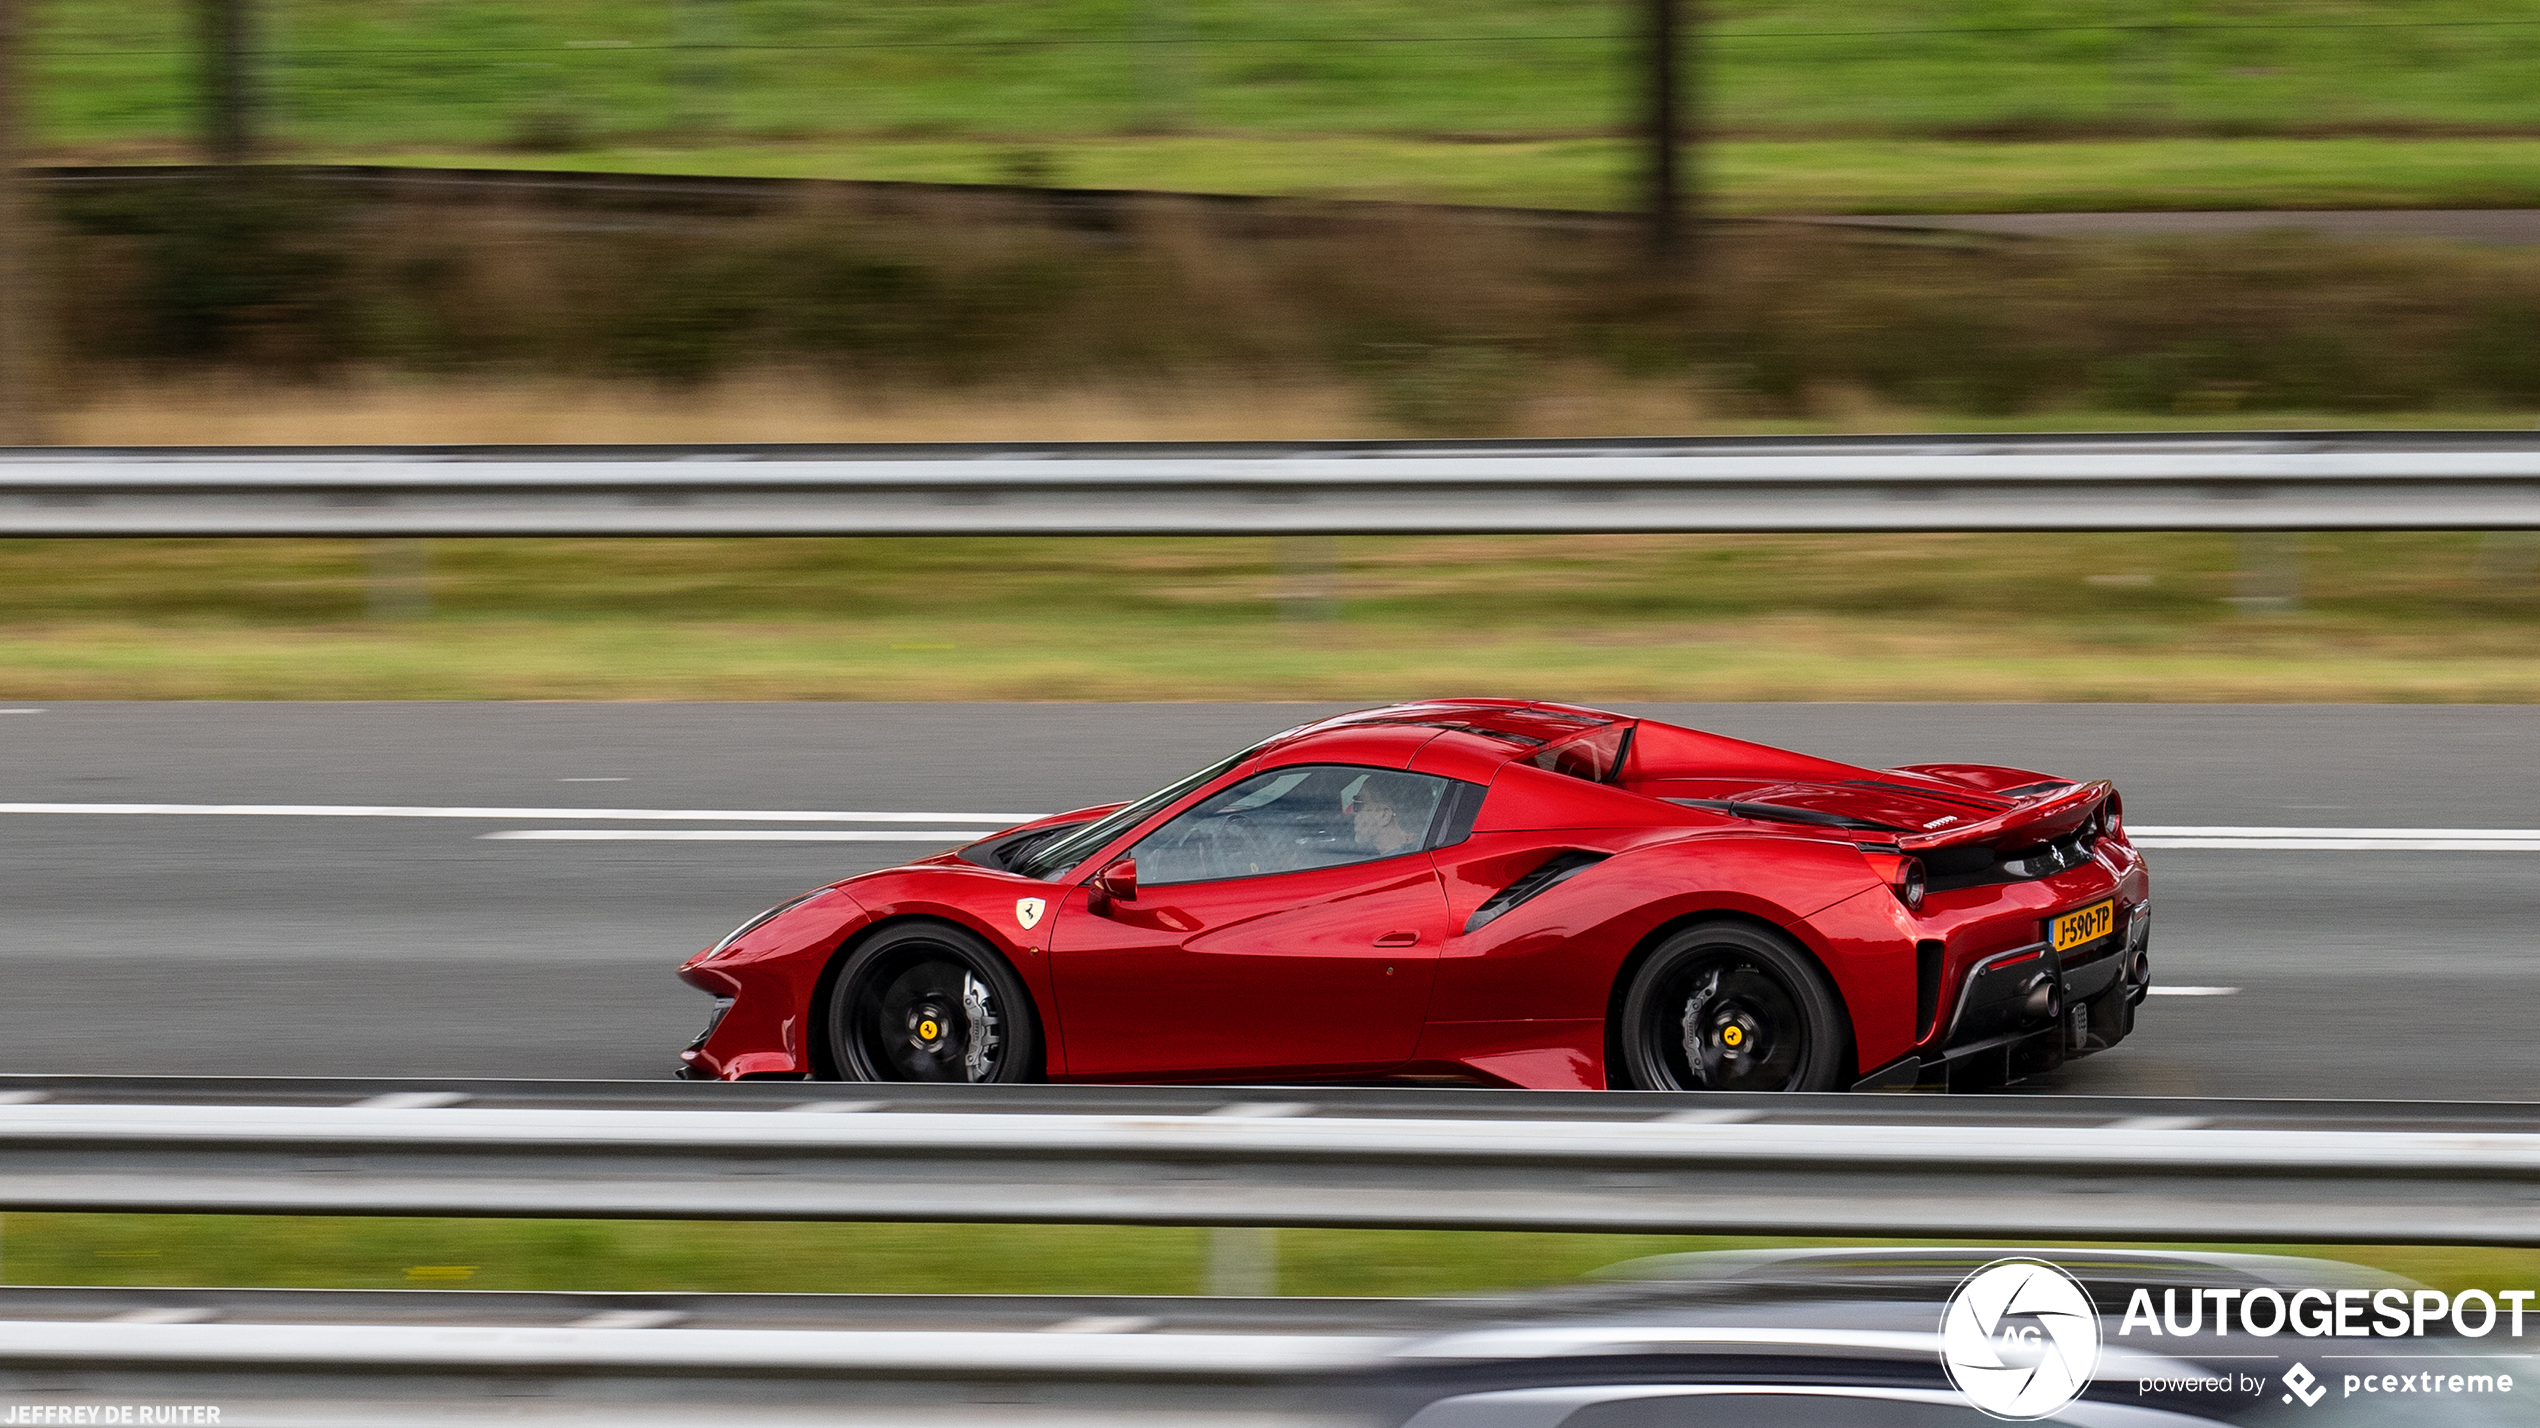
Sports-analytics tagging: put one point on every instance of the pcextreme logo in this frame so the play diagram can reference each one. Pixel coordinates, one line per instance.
(2020, 1339)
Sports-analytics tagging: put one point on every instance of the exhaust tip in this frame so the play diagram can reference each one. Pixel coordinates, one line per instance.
(2045, 999)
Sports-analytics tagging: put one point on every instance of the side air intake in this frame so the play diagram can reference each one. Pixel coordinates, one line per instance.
(1550, 873)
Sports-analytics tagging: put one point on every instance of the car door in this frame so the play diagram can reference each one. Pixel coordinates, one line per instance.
(1289, 923)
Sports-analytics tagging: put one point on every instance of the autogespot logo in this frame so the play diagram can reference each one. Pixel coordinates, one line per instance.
(2020, 1338)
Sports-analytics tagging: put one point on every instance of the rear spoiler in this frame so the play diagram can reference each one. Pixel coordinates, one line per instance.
(2040, 821)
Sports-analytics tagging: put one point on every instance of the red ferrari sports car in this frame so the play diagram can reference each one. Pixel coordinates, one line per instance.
(1490, 890)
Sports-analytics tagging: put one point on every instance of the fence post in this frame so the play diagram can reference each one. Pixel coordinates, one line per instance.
(229, 102)
(21, 301)
(701, 37)
(1665, 175)
(1161, 53)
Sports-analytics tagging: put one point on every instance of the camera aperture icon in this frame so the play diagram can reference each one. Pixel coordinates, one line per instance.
(2020, 1338)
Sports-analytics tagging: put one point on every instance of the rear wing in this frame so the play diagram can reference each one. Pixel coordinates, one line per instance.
(2041, 820)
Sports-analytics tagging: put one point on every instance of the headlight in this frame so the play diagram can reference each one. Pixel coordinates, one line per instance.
(764, 918)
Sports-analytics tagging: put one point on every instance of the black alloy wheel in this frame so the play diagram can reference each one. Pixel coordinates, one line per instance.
(1731, 1007)
(929, 1002)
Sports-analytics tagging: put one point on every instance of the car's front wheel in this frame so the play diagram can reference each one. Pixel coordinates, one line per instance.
(1727, 1006)
(930, 1002)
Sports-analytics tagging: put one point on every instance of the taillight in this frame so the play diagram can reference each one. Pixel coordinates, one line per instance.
(1903, 876)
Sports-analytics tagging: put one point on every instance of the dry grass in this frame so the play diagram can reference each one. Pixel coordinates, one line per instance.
(1372, 660)
(759, 407)
(780, 406)
(1570, 399)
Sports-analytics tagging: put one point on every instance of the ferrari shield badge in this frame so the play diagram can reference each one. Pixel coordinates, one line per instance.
(1028, 912)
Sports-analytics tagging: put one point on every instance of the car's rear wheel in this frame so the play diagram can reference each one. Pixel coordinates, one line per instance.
(929, 1002)
(1727, 1006)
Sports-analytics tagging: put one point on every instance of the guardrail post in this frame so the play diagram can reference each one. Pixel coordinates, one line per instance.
(2270, 577)
(1243, 1260)
(2506, 555)
(400, 584)
(1309, 578)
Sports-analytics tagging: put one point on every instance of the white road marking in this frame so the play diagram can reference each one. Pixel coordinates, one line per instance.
(735, 835)
(414, 1100)
(21, 711)
(630, 1319)
(2152, 1123)
(621, 778)
(1103, 1324)
(363, 810)
(2191, 991)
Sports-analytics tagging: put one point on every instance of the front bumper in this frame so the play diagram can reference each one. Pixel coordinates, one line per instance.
(2027, 1010)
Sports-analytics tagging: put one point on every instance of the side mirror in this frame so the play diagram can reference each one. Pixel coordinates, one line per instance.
(1118, 882)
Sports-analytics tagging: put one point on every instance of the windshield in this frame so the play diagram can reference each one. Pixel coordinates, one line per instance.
(1061, 854)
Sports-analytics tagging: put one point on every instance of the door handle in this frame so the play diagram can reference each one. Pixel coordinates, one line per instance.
(1399, 939)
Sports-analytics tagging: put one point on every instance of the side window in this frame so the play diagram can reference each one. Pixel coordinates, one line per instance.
(1596, 757)
(1286, 820)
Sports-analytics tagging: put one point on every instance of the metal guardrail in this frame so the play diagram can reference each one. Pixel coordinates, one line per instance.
(1064, 1314)
(1361, 1102)
(353, 1357)
(2113, 1169)
(2281, 481)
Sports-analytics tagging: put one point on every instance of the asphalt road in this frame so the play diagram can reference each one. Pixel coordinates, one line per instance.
(300, 945)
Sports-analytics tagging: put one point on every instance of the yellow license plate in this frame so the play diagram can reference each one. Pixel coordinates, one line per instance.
(2088, 925)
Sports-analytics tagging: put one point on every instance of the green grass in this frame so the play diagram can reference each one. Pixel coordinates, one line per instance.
(467, 70)
(710, 1256)
(1741, 176)
(1373, 96)
(2441, 617)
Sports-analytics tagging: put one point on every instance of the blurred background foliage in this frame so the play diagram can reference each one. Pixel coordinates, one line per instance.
(1443, 321)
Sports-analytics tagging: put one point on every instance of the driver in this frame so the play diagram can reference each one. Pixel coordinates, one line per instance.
(1377, 820)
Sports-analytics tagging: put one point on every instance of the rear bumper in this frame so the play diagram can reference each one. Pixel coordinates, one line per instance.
(2027, 1010)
